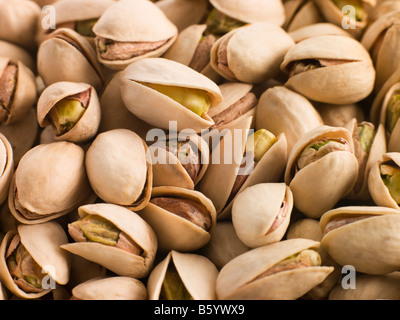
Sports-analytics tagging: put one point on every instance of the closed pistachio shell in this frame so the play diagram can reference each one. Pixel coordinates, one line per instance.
(61, 50)
(300, 13)
(261, 213)
(119, 168)
(110, 288)
(158, 109)
(132, 22)
(252, 11)
(42, 241)
(176, 232)
(281, 110)
(374, 254)
(317, 29)
(196, 272)
(87, 124)
(318, 186)
(242, 278)
(34, 198)
(319, 66)
(6, 167)
(113, 258)
(339, 115)
(253, 52)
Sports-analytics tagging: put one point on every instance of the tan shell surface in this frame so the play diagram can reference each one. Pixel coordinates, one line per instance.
(236, 278)
(119, 168)
(111, 288)
(87, 127)
(6, 167)
(300, 14)
(158, 109)
(317, 29)
(255, 209)
(252, 11)
(201, 286)
(366, 249)
(17, 53)
(174, 232)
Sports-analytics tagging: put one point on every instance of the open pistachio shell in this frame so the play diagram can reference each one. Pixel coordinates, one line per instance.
(318, 186)
(251, 53)
(359, 230)
(132, 22)
(219, 179)
(86, 125)
(319, 66)
(176, 232)
(242, 278)
(34, 198)
(281, 110)
(119, 168)
(42, 241)
(300, 13)
(252, 11)
(17, 53)
(176, 165)
(380, 193)
(110, 288)
(117, 260)
(370, 287)
(159, 109)
(317, 29)
(6, 167)
(261, 213)
(197, 274)
(381, 39)
(67, 47)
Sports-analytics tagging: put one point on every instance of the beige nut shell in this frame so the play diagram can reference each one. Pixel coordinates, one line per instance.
(6, 167)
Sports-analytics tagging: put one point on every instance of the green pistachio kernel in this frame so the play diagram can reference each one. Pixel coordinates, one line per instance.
(196, 100)
(259, 143)
(393, 112)
(98, 229)
(390, 174)
(366, 135)
(85, 27)
(357, 4)
(219, 24)
(66, 114)
(306, 257)
(173, 287)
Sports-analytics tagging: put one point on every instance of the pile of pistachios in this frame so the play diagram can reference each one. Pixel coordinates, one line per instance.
(199, 149)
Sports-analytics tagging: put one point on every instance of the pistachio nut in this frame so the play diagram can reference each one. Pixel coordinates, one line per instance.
(31, 259)
(18, 22)
(370, 287)
(383, 180)
(335, 11)
(318, 67)
(83, 270)
(72, 109)
(224, 244)
(17, 53)
(67, 47)
(339, 115)
(382, 8)
(179, 160)
(128, 31)
(321, 169)
(182, 219)
(183, 276)
(258, 274)
(6, 167)
(119, 168)
(3, 293)
(159, 91)
(300, 13)
(34, 198)
(110, 288)
(261, 213)
(317, 29)
(230, 173)
(381, 39)
(252, 11)
(251, 53)
(219, 24)
(281, 110)
(359, 230)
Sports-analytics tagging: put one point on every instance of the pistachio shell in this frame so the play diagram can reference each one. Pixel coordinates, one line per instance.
(300, 13)
(83, 270)
(254, 52)
(17, 53)
(87, 126)
(120, 172)
(43, 242)
(320, 185)
(375, 254)
(255, 210)
(252, 11)
(6, 167)
(236, 279)
(158, 109)
(339, 115)
(119, 261)
(175, 232)
(317, 29)
(326, 84)
(110, 288)
(197, 273)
